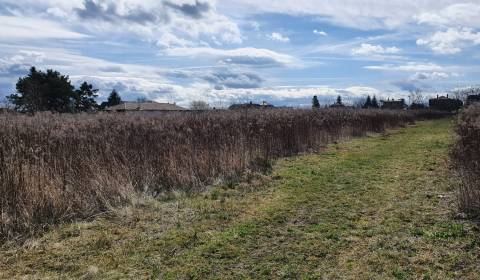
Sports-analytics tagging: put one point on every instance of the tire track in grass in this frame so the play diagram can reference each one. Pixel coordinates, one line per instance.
(355, 211)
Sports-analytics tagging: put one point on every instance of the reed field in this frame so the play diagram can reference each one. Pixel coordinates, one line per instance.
(59, 168)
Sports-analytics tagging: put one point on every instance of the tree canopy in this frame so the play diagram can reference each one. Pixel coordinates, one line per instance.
(51, 91)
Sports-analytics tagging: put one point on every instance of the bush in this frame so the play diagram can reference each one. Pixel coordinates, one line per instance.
(57, 168)
(465, 158)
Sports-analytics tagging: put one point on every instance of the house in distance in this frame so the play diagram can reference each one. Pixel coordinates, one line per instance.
(445, 103)
(393, 104)
(144, 106)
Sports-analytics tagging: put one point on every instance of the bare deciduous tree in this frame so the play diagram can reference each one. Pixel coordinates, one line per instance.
(416, 96)
(464, 93)
(199, 105)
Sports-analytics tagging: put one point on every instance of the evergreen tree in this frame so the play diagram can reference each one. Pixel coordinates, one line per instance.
(84, 98)
(375, 102)
(114, 99)
(368, 103)
(43, 91)
(315, 103)
(339, 100)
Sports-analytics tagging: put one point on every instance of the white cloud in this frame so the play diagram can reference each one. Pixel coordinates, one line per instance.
(171, 23)
(219, 77)
(368, 50)
(255, 26)
(57, 12)
(358, 14)
(451, 41)
(409, 67)
(457, 24)
(206, 32)
(320, 32)
(131, 88)
(423, 80)
(25, 55)
(241, 56)
(18, 63)
(460, 15)
(14, 28)
(168, 40)
(415, 75)
(431, 76)
(131, 80)
(362, 91)
(275, 36)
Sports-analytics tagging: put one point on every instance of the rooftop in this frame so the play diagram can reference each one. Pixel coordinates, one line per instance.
(145, 106)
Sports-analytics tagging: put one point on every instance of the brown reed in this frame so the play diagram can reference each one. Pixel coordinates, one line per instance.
(57, 168)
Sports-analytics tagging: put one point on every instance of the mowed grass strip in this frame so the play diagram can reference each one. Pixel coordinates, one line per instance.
(380, 207)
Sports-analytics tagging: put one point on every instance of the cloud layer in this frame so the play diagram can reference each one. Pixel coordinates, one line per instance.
(224, 51)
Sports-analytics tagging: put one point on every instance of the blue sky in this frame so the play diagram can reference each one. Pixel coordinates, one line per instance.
(222, 52)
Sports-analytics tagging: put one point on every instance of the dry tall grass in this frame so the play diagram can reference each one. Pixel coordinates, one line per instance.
(57, 168)
(465, 157)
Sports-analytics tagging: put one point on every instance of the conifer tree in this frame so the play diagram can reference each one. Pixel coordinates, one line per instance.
(315, 102)
(374, 102)
(339, 100)
(84, 98)
(114, 99)
(368, 103)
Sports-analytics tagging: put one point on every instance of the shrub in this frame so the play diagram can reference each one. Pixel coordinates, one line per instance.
(465, 158)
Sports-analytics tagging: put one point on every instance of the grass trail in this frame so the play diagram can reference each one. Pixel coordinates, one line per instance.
(380, 207)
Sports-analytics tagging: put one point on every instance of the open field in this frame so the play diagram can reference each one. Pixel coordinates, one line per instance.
(379, 207)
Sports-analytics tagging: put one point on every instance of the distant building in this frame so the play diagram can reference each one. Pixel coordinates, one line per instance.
(251, 105)
(393, 104)
(336, 105)
(444, 103)
(473, 99)
(144, 106)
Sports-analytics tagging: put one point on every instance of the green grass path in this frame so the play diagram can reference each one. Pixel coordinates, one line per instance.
(380, 207)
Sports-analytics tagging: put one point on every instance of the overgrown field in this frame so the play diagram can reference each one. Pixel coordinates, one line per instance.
(466, 160)
(62, 167)
(377, 207)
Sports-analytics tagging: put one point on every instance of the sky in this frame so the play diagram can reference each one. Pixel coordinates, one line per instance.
(227, 51)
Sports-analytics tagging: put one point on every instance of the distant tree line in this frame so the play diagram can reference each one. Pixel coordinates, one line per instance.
(51, 91)
(369, 103)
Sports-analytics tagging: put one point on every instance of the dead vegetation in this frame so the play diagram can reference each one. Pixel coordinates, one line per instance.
(465, 158)
(56, 168)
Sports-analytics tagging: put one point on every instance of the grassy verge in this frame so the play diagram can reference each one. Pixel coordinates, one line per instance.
(372, 208)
